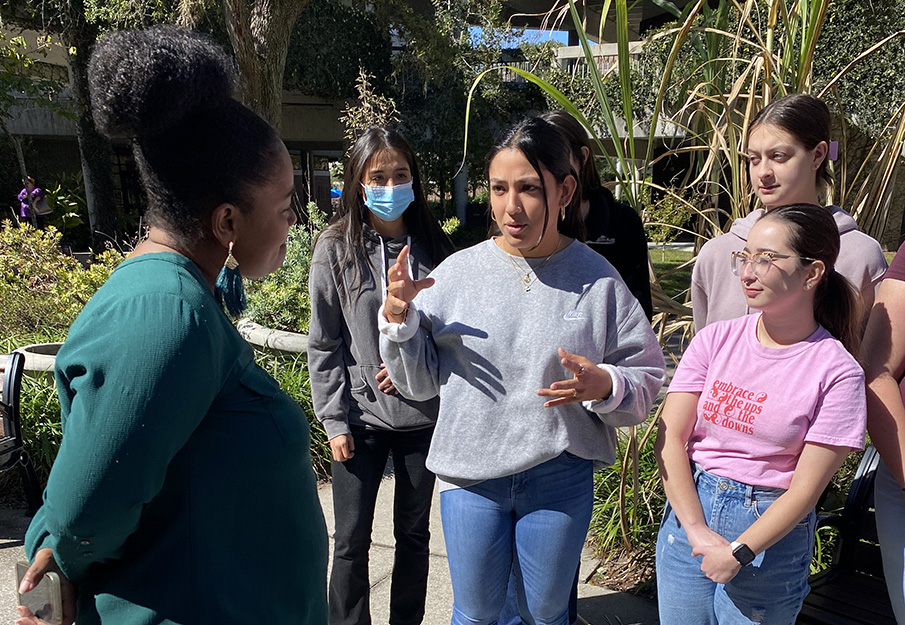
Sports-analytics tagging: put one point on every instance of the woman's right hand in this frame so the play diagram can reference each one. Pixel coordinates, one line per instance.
(703, 539)
(401, 289)
(43, 563)
(343, 447)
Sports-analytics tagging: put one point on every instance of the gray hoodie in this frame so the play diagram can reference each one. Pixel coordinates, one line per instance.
(716, 294)
(487, 344)
(343, 355)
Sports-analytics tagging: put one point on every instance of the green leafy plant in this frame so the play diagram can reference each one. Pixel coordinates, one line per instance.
(330, 43)
(280, 300)
(70, 210)
(665, 219)
(371, 109)
(41, 288)
(42, 430)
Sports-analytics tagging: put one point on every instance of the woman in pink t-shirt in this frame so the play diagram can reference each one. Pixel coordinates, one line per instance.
(761, 412)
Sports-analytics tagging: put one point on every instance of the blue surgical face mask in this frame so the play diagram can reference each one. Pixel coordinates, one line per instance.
(388, 203)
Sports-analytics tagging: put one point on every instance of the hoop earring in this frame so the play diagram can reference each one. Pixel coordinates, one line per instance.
(229, 289)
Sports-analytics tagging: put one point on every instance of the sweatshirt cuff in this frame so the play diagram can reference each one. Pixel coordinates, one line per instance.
(399, 332)
(603, 406)
(334, 427)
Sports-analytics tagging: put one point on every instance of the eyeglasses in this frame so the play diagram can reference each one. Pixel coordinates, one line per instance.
(760, 261)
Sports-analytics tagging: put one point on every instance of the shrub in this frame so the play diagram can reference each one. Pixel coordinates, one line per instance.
(42, 290)
(70, 210)
(664, 219)
(628, 504)
(42, 431)
(280, 300)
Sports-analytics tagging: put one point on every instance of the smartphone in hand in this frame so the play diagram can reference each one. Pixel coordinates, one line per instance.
(45, 599)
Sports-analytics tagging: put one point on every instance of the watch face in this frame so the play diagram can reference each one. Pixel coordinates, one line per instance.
(743, 554)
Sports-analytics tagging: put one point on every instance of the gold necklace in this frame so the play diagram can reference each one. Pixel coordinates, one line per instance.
(527, 280)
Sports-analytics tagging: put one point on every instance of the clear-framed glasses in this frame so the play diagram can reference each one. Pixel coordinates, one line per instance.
(760, 261)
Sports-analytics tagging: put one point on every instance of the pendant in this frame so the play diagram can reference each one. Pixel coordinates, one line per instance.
(527, 288)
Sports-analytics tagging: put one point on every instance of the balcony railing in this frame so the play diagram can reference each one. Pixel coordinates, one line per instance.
(572, 60)
(606, 55)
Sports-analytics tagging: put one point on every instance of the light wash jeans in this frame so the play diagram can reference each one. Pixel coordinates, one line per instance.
(534, 523)
(889, 502)
(769, 591)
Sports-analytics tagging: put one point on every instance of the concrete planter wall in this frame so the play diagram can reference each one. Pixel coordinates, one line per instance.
(40, 358)
(275, 340)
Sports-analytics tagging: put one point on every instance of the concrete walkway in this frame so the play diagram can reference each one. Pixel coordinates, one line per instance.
(597, 606)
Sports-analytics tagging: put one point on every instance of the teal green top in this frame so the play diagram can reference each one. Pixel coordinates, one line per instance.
(183, 490)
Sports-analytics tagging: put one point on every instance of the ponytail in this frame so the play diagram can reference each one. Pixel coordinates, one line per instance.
(813, 234)
(838, 308)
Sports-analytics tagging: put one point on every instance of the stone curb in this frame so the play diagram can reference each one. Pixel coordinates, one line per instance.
(279, 340)
(40, 357)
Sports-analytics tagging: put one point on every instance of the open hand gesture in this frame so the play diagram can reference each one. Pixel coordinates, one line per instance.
(588, 382)
(401, 289)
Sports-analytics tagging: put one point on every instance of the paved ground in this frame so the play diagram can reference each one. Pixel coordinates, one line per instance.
(13, 524)
(598, 606)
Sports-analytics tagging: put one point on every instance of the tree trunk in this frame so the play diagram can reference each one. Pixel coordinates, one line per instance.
(259, 31)
(95, 149)
(20, 159)
(17, 146)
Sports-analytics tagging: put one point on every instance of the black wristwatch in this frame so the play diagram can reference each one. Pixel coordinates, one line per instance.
(742, 553)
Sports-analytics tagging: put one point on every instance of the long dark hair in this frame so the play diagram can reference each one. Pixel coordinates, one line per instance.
(544, 146)
(348, 222)
(577, 137)
(804, 117)
(170, 91)
(813, 234)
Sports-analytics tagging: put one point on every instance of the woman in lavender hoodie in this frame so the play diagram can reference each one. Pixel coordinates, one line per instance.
(788, 149)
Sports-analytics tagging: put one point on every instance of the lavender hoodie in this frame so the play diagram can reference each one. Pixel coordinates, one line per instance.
(716, 293)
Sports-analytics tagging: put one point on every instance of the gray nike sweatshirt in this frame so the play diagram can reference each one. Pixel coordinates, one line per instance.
(487, 345)
(343, 357)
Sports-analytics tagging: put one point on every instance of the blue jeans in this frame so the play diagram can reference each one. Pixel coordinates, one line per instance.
(533, 523)
(510, 615)
(889, 501)
(769, 591)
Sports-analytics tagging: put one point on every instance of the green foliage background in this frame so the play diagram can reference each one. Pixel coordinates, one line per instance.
(329, 43)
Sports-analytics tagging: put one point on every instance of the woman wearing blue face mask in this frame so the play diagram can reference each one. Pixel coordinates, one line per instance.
(382, 210)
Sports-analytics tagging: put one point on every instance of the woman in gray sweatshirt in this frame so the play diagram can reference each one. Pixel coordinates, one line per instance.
(382, 210)
(538, 351)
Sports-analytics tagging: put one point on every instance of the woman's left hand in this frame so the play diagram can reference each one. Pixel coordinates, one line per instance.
(588, 382)
(384, 383)
(719, 565)
(43, 563)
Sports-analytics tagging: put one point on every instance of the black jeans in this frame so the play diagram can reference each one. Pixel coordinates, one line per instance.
(355, 484)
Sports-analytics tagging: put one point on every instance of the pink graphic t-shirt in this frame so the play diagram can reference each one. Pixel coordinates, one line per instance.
(758, 406)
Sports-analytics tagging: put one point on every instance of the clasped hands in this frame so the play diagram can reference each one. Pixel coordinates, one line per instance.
(588, 381)
(718, 564)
